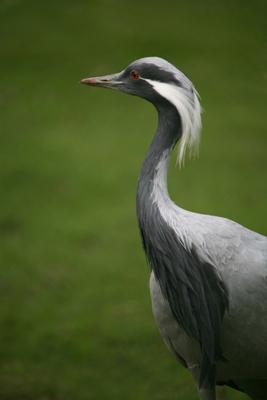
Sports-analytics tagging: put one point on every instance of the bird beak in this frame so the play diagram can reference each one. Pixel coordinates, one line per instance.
(108, 81)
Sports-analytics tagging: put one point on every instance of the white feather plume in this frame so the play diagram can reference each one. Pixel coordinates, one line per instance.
(186, 101)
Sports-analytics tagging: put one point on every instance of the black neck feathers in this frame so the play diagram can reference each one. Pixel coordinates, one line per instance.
(195, 293)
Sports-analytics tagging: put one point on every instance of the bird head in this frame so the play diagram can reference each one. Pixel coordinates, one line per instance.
(141, 78)
(159, 82)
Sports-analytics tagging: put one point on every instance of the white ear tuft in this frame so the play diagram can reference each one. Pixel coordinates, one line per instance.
(190, 112)
(188, 106)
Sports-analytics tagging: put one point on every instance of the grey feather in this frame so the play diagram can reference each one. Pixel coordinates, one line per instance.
(197, 296)
(208, 282)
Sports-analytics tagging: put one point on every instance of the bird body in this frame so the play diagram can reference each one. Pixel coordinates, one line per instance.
(208, 279)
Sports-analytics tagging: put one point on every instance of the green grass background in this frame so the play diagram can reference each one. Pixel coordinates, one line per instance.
(75, 311)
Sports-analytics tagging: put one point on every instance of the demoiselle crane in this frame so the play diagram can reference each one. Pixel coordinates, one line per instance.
(208, 279)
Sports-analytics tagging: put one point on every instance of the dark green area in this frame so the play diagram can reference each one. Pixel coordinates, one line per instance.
(75, 310)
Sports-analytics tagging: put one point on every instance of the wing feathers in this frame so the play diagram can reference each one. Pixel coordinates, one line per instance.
(197, 296)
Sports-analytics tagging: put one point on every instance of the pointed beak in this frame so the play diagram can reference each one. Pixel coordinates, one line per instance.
(108, 81)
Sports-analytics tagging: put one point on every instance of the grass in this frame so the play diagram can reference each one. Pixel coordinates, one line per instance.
(75, 309)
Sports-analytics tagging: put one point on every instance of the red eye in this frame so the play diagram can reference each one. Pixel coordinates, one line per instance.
(135, 75)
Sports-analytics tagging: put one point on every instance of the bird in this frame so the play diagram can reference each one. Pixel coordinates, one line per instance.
(208, 274)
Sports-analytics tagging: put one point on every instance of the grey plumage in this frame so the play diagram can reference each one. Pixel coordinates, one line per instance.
(197, 296)
(209, 275)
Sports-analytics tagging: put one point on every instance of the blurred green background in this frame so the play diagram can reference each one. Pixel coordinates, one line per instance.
(75, 311)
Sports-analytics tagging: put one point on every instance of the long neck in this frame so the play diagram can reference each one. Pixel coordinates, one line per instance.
(179, 270)
(154, 170)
